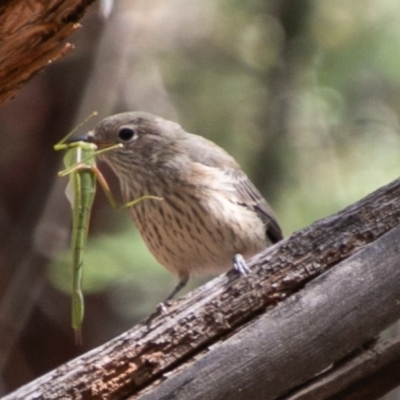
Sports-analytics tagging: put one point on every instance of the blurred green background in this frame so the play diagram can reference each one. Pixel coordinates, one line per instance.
(305, 95)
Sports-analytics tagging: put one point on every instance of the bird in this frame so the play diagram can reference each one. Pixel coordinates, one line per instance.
(210, 217)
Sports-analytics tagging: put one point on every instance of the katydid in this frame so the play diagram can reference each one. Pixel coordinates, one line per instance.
(83, 173)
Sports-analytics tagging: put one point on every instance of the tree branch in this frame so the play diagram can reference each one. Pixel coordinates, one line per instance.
(302, 336)
(368, 374)
(257, 356)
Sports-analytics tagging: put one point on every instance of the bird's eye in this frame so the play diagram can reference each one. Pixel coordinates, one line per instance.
(127, 133)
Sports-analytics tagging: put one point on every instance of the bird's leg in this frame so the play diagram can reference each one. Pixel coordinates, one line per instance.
(240, 265)
(183, 280)
(162, 307)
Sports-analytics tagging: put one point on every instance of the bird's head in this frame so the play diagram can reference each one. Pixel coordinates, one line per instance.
(145, 140)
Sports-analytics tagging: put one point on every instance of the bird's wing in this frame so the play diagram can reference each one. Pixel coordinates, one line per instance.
(251, 198)
(203, 152)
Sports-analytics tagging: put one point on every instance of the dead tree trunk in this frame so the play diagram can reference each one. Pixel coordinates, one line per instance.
(314, 301)
(32, 36)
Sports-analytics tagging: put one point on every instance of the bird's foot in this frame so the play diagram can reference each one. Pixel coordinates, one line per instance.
(161, 309)
(240, 265)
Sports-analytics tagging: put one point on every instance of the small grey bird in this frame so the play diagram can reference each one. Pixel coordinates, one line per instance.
(211, 217)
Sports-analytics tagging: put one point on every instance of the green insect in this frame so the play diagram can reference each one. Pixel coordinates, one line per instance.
(80, 165)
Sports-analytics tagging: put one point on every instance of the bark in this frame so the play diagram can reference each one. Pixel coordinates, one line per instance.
(32, 36)
(368, 374)
(260, 335)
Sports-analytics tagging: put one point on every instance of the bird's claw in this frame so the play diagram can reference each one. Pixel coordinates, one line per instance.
(240, 265)
(161, 309)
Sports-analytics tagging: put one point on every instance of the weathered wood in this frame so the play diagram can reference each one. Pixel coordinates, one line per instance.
(335, 314)
(369, 374)
(220, 308)
(32, 35)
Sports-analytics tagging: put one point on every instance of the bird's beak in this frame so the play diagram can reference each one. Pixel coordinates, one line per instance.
(89, 138)
(84, 138)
